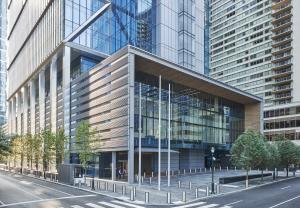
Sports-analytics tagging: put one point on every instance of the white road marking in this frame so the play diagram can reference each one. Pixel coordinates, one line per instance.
(1, 203)
(77, 206)
(226, 206)
(276, 205)
(53, 189)
(93, 205)
(285, 187)
(191, 205)
(201, 190)
(25, 182)
(44, 200)
(111, 205)
(230, 186)
(127, 204)
(234, 202)
(208, 206)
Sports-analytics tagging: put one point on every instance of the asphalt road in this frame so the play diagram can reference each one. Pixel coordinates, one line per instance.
(22, 191)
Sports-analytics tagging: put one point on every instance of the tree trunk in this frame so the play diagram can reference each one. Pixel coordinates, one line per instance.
(274, 176)
(247, 178)
(262, 175)
(287, 171)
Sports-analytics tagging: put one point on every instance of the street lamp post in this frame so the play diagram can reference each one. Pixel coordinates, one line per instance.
(93, 175)
(212, 150)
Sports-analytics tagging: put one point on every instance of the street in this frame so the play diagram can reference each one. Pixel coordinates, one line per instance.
(22, 191)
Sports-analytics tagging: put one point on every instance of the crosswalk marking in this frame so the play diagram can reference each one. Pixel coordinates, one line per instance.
(191, 205)
(230, 186)
(226, 206)
(94, 205)
(77, 206)
(208, 206)
(127, 204)
(110, 204)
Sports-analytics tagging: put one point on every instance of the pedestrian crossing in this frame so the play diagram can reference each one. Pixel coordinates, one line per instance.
(123, 204)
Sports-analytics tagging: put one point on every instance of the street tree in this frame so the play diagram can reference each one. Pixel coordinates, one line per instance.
(29, 150)
(248, 151)
(37, 150)
(288, 153)
(273, 157)
(60, 140)
(84, 145)
(48, 141)
(4, 145)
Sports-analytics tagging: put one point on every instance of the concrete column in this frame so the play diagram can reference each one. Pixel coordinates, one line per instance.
(66, 88)
(53, 93)
(10, 116)
(14, 129)
(32, 106)
(19, 113)
(25, 109)
(42, 99)
(131, 69)
(113, 165)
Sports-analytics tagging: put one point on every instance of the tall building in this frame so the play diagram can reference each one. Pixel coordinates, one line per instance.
(71, 61)
(253, 47)
(3, 24)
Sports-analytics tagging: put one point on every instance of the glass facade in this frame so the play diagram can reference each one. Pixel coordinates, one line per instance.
(196, 117)
(172, 31)
(125, 22)
(3, 25)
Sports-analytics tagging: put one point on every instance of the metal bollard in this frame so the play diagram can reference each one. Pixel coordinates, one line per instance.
(227, 168)
(205, 170)
(200, 170)
(79, 184)
(220, 168)
(184, 196)
(179, 184)
(150, 180)
(190, 170)
(172, 172)
(218, 188)
(106, 186)
(210, 169)
(168, 197)
(123, 190)
(207, 191)
(247, 183)
(146, 197)
(166, 172)
(131, 195)
(190, 185)
(196, 193)
(195, 170)
(137, 177)
(183, 171)
(144, 174)
(152, 174)
(114, 188)
(142, 179)
(134, 191)
(234, 168)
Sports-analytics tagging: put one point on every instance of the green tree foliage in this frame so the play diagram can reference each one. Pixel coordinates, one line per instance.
(49, 142)
(60, 140)
(4, 145)
(288, 153)
(29, 149)
(37, 150)
(85, 139)
(249, 151)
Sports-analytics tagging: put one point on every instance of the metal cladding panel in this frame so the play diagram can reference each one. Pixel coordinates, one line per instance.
(100, 97)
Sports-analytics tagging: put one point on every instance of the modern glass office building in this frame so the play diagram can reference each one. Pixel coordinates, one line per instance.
(76, 64)
(3, 23)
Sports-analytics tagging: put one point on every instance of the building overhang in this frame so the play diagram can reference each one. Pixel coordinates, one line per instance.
(154, 65)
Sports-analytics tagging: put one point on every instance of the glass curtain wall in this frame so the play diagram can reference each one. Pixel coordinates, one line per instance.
(196, 117)
(125, 22)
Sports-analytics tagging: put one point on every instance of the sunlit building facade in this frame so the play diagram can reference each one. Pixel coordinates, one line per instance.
(3, 23)
(84, 60)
